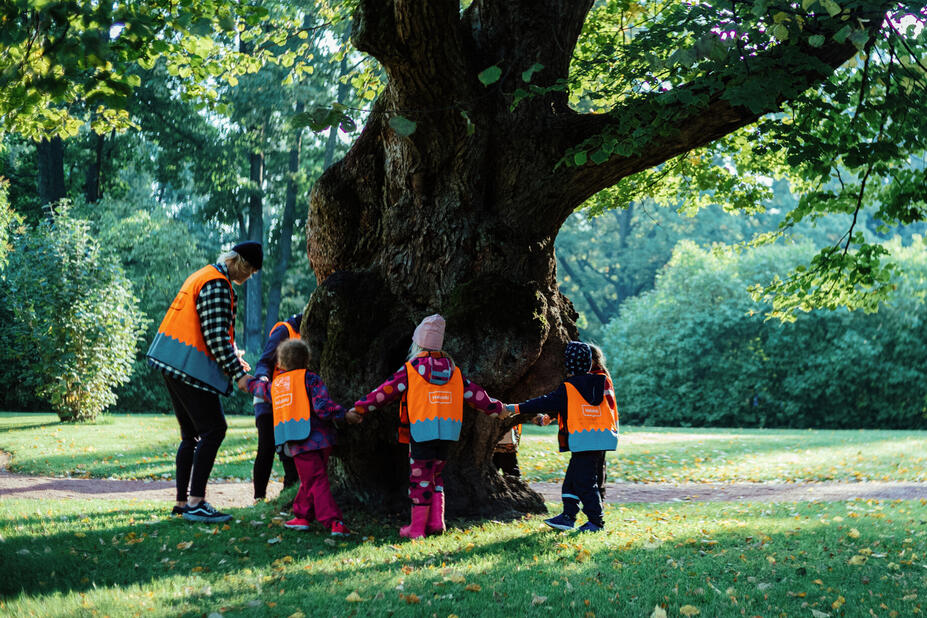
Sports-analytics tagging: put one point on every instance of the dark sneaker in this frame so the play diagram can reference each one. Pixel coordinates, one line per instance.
(339, 529)
(590, 527)
(178, 510)
(560, 522)
(205, 512)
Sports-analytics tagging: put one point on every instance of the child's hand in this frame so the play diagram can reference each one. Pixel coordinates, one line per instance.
(243, 382)
(542, 420)
(352, 417)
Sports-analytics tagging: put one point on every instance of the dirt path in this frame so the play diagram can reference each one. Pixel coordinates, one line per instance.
(239, 494)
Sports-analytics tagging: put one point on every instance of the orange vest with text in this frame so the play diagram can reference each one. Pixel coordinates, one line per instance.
(590, 427)
(179, 342)
(292, 335)
(435, 410)
(292, 408)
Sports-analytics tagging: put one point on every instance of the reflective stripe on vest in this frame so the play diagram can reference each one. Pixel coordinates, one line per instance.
(292, 335)
(435, 410)
(179, 342)
(292, 408)
(589, 427)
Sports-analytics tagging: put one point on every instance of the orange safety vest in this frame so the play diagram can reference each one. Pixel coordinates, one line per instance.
(589, 427)
(435, 410)
(179, 342)
(292, 408)
(293, 335)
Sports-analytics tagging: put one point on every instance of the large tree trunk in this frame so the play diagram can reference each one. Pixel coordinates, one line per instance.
(50, 155)
(460, 218)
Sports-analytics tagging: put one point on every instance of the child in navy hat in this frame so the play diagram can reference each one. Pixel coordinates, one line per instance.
(588, 419)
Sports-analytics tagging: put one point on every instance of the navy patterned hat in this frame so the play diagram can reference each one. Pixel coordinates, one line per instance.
(578, 358)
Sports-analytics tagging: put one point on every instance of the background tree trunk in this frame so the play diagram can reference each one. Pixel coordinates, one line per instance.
(92, 188)
(285, 244)
(253, 287)
(50, 154)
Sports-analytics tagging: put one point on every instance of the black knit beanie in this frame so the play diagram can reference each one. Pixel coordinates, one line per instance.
(252, 252)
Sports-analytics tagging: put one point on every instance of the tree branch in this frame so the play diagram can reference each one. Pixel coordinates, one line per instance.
(691, 126)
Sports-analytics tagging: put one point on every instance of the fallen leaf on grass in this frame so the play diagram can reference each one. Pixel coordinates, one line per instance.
(410, 598)
(857, 560)
(185, 545)
(838, 603)
(473, 587)
(818, 614)
(274, 540)
(353, 598)
(909, 597)
(658, 612)
(537, 600)
(689, 610)
(853, 533)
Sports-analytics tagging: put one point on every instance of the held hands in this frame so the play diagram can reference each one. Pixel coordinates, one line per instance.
(243, 382)
(541, 420)
(353, 417)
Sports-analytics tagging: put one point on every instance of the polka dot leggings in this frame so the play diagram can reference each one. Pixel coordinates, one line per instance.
(425, 480)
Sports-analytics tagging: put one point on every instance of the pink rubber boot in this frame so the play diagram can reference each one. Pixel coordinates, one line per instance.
(435, 524)
(416, 529)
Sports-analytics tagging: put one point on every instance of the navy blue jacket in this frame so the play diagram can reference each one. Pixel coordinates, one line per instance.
(265, 366)
(590, 385)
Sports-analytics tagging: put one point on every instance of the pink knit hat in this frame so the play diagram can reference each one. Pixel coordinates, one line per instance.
(429, 335)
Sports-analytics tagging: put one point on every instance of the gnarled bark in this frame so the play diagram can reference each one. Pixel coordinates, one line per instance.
(460, 218)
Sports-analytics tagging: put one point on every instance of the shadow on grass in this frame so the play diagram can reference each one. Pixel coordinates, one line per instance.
(762, 559)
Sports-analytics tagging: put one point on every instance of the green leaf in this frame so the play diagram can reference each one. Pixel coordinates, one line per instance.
(833, 9)
(580, 158)
(490, 75)
(859, 39)
(526, 75)
(842, 34)
(403, 126)
(780, 31)
(816, 40)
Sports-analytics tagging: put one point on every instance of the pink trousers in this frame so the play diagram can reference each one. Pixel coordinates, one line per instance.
(314, 499)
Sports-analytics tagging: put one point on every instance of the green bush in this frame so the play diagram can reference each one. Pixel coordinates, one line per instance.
(75, 321)
(697, 351)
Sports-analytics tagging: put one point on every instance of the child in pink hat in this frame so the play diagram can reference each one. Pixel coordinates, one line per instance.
(432, 392)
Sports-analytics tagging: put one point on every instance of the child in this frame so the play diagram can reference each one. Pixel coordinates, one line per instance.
(599, 366)
(303, 415)
(267, 369)
(432, 391)
(588, 421)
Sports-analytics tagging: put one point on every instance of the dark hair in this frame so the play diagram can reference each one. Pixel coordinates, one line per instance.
(293, 354)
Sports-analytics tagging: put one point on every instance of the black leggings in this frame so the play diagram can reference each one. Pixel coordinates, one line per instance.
(264, 460)
(202, 429)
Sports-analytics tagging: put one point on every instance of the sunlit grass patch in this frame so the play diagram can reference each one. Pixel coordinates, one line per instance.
(123, 559)
(648, 455)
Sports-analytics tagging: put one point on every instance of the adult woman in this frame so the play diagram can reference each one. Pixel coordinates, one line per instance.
(195, 351)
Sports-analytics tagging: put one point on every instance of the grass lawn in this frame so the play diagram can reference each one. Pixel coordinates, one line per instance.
(83, 558)
(114, 447)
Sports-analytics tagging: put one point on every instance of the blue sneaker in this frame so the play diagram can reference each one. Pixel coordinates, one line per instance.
(590, 527)
(560, 522)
